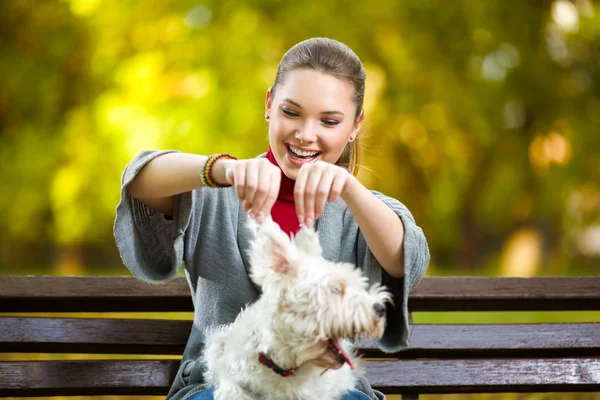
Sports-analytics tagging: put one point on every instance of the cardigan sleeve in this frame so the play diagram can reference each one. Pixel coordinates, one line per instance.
(416, 260)
(150, 243)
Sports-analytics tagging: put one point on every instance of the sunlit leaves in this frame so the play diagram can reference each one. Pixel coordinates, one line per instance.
(480, 116)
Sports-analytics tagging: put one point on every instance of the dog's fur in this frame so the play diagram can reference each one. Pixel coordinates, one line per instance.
(306, 301)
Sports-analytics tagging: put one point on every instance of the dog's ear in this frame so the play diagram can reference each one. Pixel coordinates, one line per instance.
(307, 241)
(272, 253)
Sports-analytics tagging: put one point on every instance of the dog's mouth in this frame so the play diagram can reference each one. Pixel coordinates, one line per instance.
(334, 356)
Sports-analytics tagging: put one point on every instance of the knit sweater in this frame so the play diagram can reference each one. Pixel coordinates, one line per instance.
(207, 234)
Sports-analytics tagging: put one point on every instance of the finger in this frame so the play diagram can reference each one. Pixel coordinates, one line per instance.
(239, 180)
(310, 191)
(250, 185)
(275, 182)
(263, 185)
(339, 181)
(299, 187)
(322, 192)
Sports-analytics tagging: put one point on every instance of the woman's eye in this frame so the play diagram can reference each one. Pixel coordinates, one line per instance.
(289, 113)
(330, 122)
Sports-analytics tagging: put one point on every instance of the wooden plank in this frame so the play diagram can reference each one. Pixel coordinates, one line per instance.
(93, 336)
(506, 294)
(86, 378)
(89, 294)
(92, 294)
(496, 340)
(485, 375)
(137, 336)
(149, 377)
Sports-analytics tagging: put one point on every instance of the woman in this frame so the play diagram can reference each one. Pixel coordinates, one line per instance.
(184, 208)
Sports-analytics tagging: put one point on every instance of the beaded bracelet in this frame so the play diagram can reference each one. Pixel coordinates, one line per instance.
(206, 171)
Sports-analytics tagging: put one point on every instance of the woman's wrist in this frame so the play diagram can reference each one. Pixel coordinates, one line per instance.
(351, 189)
(219, 171)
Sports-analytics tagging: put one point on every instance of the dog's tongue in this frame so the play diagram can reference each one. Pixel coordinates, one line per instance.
(338, 346)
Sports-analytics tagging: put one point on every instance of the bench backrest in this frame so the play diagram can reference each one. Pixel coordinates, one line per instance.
(440, 359)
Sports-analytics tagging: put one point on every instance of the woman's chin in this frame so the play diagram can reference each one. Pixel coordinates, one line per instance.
(291, 173)
(289, 168)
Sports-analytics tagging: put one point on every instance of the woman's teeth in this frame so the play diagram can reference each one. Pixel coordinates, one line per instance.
(302, 153)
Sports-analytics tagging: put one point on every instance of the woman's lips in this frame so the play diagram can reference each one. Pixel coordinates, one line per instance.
(299, 161)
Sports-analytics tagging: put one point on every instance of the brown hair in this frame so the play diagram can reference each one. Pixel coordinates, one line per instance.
(334, 58)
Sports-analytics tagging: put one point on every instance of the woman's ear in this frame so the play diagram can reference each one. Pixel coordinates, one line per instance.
(268, 100)
(357, 125)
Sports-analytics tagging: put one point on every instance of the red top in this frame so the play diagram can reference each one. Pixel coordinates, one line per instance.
(284, 209)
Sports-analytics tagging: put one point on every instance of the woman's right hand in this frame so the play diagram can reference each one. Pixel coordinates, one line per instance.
(256, 183)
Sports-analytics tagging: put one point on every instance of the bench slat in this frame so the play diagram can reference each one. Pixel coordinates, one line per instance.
(486, 376)
(93, 336)
(125, 293)
(72, 378)
(92, 294)
(556, 293)
(497, 340)
(150, 377)
(141, 336)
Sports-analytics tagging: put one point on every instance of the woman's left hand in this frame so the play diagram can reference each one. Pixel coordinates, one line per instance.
(316, 184)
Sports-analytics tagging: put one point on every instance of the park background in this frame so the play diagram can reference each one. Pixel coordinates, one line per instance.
(483, 117)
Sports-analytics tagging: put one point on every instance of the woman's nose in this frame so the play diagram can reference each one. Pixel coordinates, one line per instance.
(307, 134)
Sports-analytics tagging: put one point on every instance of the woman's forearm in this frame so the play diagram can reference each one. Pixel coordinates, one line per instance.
(171, 174)
(168, 175)
(381, 227)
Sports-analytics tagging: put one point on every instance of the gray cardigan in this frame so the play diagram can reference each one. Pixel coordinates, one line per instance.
(208, 235)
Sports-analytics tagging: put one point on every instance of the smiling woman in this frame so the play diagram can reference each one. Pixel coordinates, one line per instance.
(309, 70)
(176, 206)
(312, 117)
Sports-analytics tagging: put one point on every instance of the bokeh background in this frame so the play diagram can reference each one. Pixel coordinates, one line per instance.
(483, 117)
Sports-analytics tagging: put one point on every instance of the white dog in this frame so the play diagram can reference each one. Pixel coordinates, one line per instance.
(292, 343)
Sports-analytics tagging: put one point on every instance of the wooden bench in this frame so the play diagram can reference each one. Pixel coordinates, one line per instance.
(474, 358)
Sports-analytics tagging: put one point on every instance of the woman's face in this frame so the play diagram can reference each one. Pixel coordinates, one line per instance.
(311, 118)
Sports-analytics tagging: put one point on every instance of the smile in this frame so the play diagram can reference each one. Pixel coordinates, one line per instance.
(300, 154)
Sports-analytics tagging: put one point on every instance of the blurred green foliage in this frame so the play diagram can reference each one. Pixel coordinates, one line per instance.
(481, 116)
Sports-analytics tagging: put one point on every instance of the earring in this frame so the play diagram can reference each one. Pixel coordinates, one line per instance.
(267, 116)
(351, 139)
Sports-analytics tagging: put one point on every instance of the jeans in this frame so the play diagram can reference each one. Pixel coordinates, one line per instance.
(208, 395)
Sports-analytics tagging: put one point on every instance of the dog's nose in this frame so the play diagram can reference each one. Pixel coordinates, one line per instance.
(379, 309)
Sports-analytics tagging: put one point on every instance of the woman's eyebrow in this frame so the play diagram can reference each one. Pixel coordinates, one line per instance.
(288, 100)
